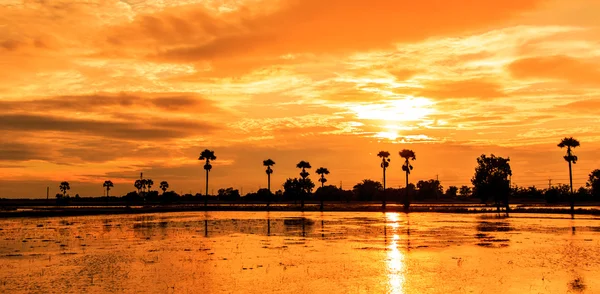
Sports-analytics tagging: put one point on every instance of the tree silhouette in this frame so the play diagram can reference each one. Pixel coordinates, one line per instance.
(107, 185)
(304, 183)
(144, 183)
(138, 185)
(207, 155)
(64, 187)
(594, 183)
(149, 183)
(164, 185)
(570, 143)
(367, 190)
(491, 178)
(407, 167)
(385, 162)
(465, 191)
(268, 163)
(451, 192)
(322, 171)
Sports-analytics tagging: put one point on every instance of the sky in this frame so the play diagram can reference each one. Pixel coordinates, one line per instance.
(96, 90)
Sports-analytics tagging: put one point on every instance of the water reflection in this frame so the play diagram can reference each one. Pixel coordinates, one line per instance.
(395, 257)
(547, 254)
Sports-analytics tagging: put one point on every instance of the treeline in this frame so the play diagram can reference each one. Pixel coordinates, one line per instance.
(368, 190)
(490, 183)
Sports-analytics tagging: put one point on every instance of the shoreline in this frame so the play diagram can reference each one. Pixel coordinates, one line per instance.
(85, 211)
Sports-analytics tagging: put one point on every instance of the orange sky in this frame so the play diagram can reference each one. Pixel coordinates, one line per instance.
(103, 89)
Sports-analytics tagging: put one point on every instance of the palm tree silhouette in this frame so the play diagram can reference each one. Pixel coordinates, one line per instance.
(570, 158)
(64, 187)
(138, 185)
(144, 183)
(385, 162)
(207, 155)
(268, 163)
(304, 174)
(407, 167)
(164, 186)
(322, 171)
(107, 185)
(149, 183)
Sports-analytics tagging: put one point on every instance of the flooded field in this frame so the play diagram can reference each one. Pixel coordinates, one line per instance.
(294, 252)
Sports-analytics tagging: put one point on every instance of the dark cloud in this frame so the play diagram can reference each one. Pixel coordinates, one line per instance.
(114, 102)
(151, 130)
(11, 151)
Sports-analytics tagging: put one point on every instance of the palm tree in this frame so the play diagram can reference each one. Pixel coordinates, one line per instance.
(407, 167)
(144, 183)
(304, 174)
(268, 163)
(570, 158)
(322, 171)
(164, 186)
(149, 183)
(64, 187)
(385, 162)
(207, 155)
(138, 185)
(107, 185)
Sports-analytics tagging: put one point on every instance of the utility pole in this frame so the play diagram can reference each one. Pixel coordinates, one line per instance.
(47, 193)
(549, 184)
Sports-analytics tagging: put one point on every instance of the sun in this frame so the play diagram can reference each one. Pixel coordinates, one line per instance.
(408, 109)
(395, 116)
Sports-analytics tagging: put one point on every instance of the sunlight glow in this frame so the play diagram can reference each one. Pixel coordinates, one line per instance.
(406, 110)
(395, 258)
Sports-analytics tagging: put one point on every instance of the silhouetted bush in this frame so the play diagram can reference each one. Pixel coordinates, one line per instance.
(228, 194)
(368, 190)
(430, 189)
(169, 197)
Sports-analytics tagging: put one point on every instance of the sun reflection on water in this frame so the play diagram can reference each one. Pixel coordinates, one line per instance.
(395, 257)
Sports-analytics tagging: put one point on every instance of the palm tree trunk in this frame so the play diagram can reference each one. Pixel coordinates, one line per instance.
(269, 187)
(206, 195)
(383, 200)
(321, 196)
(406, 200)
(572, 195)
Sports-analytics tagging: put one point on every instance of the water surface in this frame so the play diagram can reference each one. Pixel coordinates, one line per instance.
(293, 252)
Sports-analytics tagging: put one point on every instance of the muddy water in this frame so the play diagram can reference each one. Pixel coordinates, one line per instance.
(291, 252)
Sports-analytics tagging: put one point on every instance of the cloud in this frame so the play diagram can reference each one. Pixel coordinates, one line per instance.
(475, 88)
(114, 102)
(561, 67)
(193, 34)
(107, 129)
(12, 151)
(589, 106)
